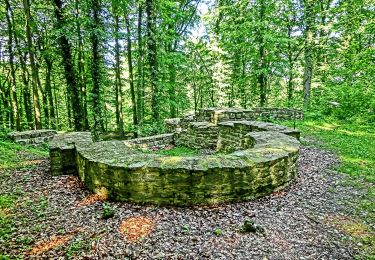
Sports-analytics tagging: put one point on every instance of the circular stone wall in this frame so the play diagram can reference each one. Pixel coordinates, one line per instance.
(125, 173)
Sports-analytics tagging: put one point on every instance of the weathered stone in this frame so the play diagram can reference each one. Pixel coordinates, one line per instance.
(62, 151)
(33, 137)
(253, 159)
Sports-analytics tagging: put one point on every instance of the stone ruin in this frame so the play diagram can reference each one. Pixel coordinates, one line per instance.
(252, 159)
(33, 137)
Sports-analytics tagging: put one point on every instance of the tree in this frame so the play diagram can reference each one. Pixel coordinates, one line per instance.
(70, 75)
(34, 69)
(95, 67)
(15, 120)
(152, 57)
(308, 52)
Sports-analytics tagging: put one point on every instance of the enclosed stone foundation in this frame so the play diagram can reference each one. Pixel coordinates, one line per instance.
(252, 159)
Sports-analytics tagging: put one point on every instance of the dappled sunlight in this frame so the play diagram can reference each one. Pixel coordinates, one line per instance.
(327, 127)
(351, 226)
(359, 161)
(52, 243)
(357, 133)
(136, 228)
(91, 199)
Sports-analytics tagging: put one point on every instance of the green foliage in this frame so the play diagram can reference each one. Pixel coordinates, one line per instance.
(153, 128)
(218, 232)
(186, 229)
(75, 247)
(107, 211)
(13, 155)
(353, 142)
(178, 151)
(7, 202)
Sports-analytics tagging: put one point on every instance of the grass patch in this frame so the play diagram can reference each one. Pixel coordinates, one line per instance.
(354, 144)
(179, 151)
(14, 156)
(174, 151)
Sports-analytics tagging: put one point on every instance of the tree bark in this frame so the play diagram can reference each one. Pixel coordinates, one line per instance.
(152, 57)
(70, 75)
(308, 52)
(262, 77)
(14, 102)
(139, 66)
(34, 70)
(95, 71)
(48, 90)
(81, 78)
(118, 83)
(130, 65)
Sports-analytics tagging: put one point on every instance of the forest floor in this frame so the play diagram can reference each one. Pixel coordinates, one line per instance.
(327, 213)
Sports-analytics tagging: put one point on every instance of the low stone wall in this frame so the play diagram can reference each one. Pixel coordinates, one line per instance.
(232, 136)
(129, 175)
(151, 141)
(62, 151)
(33, 137)
(278, 113)
(173, 125)
(254, 159)
(198, 135)
(216, 115)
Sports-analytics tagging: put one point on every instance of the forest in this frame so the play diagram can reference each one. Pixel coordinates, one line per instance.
(146, 138)
(126, 65)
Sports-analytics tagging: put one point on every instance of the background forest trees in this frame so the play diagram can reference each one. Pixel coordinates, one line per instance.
(125, 65)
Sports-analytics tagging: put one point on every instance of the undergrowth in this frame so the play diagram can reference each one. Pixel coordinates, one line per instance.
(13, 155)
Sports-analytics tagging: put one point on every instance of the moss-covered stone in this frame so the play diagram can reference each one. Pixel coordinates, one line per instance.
(253, 160)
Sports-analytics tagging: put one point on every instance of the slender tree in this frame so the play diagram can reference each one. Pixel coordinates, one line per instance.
(152, 57)
(118, 82)
(308, 51)
(130, 65)
(95, 67)
(34, 69)
(14, 102)
(70, 75)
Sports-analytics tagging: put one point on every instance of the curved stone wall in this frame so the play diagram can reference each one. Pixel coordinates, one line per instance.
(129, 175)
(252, 159)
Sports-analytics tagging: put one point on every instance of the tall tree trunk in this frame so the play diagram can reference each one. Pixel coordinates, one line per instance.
(139, 66)
(308, 52)
(130, 65)
(262, 77)
(152, 57)
(243, 85)
(48, 90)
(70, 75)
(118, 83)
(81, 72)
(45, 102)
(172, 89)
(14, 102)
(34, 70)
(56, 103)
(25, 79)
(95, 71)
